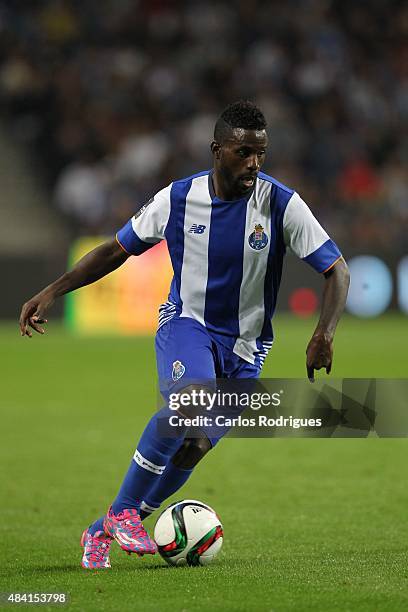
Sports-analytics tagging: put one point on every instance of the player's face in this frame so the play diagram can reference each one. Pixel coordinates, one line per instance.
(240, 158)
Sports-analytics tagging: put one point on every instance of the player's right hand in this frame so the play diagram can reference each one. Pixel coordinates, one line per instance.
(33, 314)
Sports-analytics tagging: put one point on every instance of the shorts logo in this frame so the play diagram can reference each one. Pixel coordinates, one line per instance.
(178, 370)
(258, 239)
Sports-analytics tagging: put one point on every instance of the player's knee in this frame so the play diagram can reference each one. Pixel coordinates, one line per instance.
(198, 403)
(191, 452)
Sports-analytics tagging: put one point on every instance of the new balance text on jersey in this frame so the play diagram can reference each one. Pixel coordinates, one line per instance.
(197, 229)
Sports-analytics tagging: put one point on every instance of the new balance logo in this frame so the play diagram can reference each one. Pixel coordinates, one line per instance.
(197, 229)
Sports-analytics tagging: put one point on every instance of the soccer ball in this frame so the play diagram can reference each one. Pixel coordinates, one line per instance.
(188, 533)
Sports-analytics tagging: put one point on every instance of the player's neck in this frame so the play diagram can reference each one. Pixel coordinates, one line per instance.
(221, 190)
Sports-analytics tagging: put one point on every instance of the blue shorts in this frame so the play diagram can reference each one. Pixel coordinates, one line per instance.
(188, 354)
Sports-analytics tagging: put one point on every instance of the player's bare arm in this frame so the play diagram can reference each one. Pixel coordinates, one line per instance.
(319, 352)
(94, 265)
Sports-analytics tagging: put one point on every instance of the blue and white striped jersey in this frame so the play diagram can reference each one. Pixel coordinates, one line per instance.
(227, 256)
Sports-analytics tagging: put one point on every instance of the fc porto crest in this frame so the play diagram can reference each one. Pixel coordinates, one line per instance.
(258, 239)
(178, 370)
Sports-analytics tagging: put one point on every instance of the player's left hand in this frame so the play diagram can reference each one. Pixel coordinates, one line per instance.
(319, 354)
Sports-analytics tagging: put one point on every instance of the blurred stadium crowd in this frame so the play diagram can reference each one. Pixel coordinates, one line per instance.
(116, 98)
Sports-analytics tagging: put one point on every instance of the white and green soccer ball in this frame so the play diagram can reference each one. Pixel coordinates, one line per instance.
(188, 533)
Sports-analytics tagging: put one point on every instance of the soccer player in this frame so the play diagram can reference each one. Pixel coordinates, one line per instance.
(227, 230)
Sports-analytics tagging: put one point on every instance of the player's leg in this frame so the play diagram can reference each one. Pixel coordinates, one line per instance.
(123, 521)
(178, 471)
(179, 468)
(184, 354)
(147, 465)
(194, 449)
(191, 450)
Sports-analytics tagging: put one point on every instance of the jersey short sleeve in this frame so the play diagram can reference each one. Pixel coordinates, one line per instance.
(146, 228)
(304, 235)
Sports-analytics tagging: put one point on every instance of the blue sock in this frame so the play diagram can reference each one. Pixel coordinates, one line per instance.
(152, 455)
(96, 526)
(171, 481)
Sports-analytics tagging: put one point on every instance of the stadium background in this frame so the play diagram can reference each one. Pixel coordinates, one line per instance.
(102, 104)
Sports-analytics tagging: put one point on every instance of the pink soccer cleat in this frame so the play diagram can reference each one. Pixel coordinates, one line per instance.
(127, 529)
(96, 550)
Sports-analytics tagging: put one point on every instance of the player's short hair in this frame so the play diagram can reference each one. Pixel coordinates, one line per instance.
(242, 114)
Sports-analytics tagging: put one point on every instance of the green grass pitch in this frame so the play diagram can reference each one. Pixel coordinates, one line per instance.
(315, 525)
